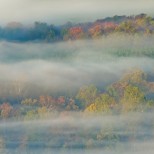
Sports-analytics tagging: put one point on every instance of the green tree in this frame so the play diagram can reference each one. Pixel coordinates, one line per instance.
(71, 106)
(133, 99)
(87, 94)
(43, 112)
(135, 76)
(127, 27)
(65, 34)
(51, 35)
(31, 115)
(103, 104)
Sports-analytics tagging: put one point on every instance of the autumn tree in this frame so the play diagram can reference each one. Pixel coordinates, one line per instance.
(71, 105)
(29, 102)
(31, 115)
(96, 31)
(61, 100)
(127, 27)
(5, 110)
(76, 33)
(144, 23)
(109, 27)
(133, 99)
(27, 105)
(42, 112)
(116, 90)
(103, 104)
(135, 76)
(87, 94)
(47, 101)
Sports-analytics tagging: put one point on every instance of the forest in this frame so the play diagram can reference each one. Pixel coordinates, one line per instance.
(40, 31)
(132, 93)
(57, 117)
(78, 87)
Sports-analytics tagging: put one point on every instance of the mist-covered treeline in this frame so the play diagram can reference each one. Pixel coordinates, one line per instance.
(58, 77)
(132, 93)
(118, 119)
(139, 24)
(84, 96)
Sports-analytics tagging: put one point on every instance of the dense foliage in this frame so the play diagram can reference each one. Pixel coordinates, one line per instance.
(140, 24)
(126, 97)
(131, 93)
(94, 116)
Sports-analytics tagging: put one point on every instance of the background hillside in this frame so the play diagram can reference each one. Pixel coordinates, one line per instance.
(141, 24)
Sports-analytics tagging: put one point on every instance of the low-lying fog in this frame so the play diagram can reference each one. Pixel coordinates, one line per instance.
(44, 68)
(72, 133)
(69, 65)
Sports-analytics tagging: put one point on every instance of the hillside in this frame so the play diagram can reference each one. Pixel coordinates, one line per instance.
(141, 24)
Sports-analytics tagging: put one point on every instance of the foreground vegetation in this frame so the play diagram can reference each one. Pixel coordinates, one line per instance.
(117, 116)
(133, 92)
(37, 112)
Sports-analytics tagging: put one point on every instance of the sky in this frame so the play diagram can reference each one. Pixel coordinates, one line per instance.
(61, 11)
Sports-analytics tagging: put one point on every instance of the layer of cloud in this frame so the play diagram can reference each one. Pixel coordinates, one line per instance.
(68, 66)
(79, 129)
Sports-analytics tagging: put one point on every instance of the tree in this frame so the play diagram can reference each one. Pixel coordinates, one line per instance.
(41, 30)
(96, 31)
(87, 94)
(103, 104)
(47, 101)
(31, 115)
(42, 112)
(29, 102)
(65, 34)
(127, 27)
(61, 100)
(28, 105)
(50, 35)
(71, 106)
(76, 33)
(135, 76)
(109, 27)
(5, 110)
(133, 99)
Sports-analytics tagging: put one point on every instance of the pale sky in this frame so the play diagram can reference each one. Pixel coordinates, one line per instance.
(61, 11)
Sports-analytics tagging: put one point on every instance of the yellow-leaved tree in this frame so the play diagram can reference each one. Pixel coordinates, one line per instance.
(103, 104)
(133, 99)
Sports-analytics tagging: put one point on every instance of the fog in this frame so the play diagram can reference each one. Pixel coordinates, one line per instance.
(59, 12)
(33, 69)
(136, 131)
(67, 66)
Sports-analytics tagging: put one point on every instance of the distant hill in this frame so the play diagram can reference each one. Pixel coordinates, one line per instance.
(141, 24)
